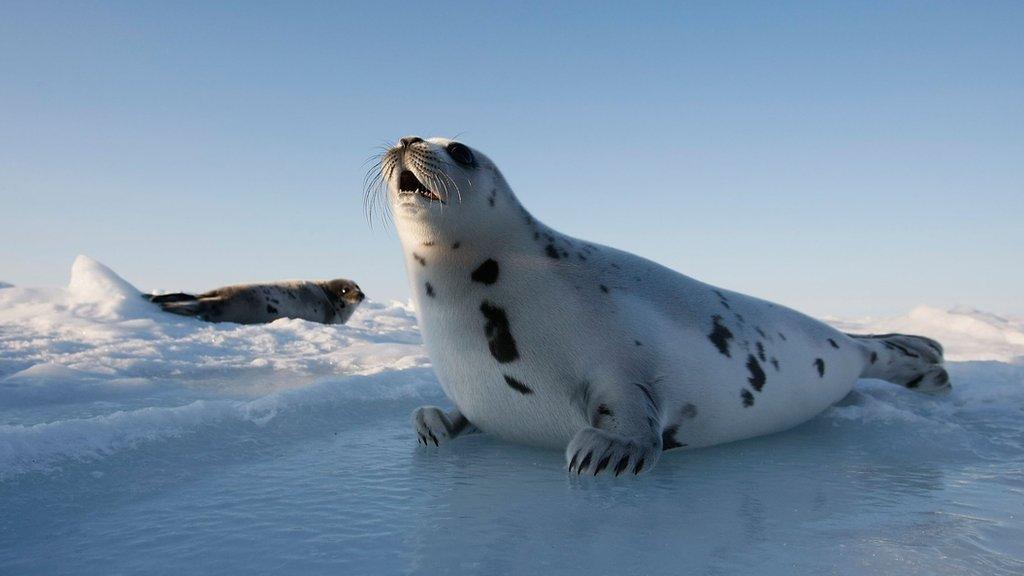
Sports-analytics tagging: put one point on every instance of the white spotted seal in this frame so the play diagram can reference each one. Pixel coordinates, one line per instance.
(550, 340)
(325, 301)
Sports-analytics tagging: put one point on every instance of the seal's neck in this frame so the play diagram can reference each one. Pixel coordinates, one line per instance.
(494, 232)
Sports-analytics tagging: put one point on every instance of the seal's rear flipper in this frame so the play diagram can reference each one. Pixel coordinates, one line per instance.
(914, 362)
(185, 308)
(173, 297)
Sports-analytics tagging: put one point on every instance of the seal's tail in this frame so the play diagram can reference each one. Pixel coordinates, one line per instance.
(914, 362)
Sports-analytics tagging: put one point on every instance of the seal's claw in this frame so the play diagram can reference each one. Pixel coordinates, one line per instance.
(596, 452)
(431, 425)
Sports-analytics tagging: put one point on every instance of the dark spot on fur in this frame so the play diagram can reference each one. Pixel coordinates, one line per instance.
(271, 309)
(761, 333)
(720, 336)
(603, 411)
(551, 251)
(739, 318)
(833, 343)
(430, 289)
(783, 336)
(486, 273)
(638, 343)
(760, 351)
(915, 382)
(775, 363)
(748, 398)
(820, 365)
(275, 301)
(668, 438)
(420, 259)
(499, 337)
(757, 376)
(604, 288)
(722, 300)
(517, 385)
(581, 256)
(874, 357)
(536, 236)
(614, 265)
(456, 245)
(428, 243)
(688, 411)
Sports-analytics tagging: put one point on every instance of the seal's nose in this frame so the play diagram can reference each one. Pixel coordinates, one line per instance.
(410, 140)
(356, 294)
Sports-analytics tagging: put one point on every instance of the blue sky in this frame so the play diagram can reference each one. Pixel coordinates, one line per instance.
(842, 158)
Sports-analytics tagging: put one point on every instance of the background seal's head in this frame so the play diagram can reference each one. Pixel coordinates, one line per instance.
(344, 295)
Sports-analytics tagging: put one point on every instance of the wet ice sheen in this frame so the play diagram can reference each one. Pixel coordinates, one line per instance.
(154, 465)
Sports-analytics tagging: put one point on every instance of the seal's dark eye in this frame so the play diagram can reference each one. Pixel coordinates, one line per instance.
(461, 154)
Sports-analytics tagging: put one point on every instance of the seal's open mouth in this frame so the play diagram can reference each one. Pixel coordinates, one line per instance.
(410, 184)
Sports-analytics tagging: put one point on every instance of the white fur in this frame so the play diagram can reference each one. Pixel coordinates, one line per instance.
(577, 343)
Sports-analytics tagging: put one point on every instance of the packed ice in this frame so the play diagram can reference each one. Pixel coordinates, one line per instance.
(134, 441)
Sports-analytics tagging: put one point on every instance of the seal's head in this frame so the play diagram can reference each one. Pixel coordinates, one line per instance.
(343, 294)
(439, 185)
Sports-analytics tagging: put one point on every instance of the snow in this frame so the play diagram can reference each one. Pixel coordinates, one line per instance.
(967, 334)
(133, 441)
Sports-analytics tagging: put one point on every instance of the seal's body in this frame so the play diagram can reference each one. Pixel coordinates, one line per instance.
(327, 302)
(549, 340)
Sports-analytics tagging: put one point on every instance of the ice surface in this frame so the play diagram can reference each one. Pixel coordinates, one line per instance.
(132, 441)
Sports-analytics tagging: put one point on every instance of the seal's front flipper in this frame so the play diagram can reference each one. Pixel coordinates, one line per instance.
(433, 426)
(595, 451)
(625, 436)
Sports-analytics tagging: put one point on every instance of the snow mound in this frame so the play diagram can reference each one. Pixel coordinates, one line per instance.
(965, 333)
(5, 285)
(109, 296)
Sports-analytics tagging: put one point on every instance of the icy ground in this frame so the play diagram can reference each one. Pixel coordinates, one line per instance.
(134, 442)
